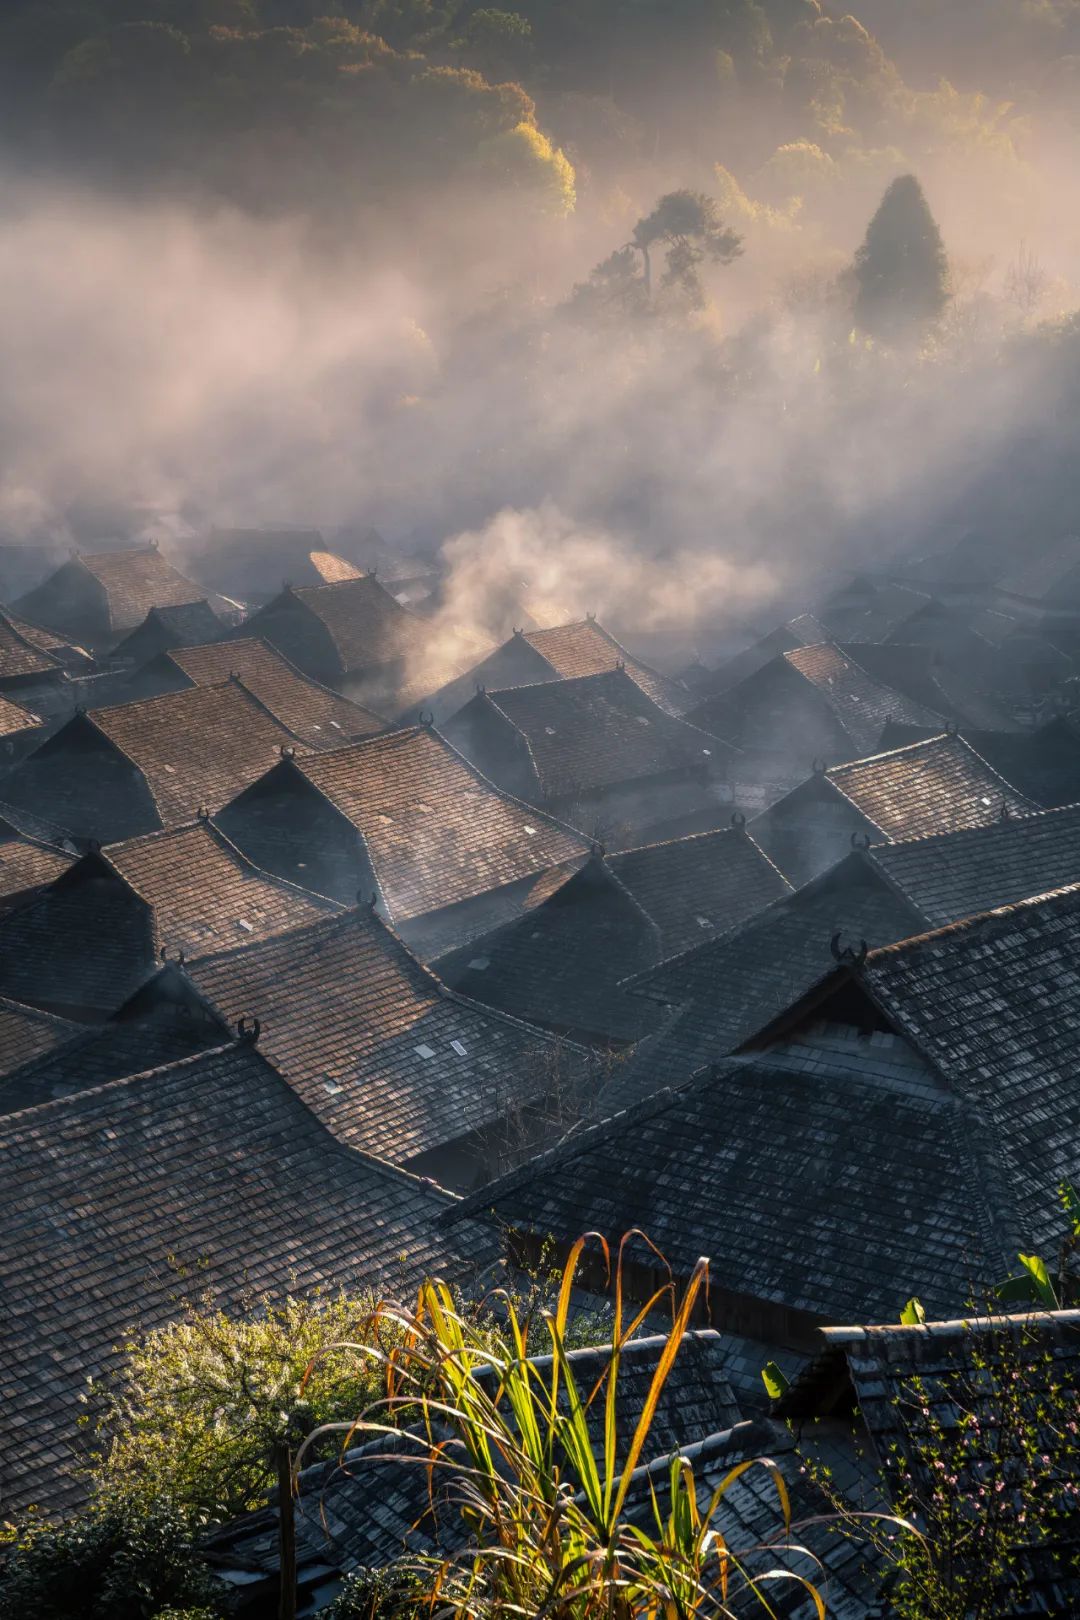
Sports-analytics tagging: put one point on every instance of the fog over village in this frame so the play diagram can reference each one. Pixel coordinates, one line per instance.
(539, 809)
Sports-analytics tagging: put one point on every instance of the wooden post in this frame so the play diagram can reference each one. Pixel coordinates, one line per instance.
(286, 1533)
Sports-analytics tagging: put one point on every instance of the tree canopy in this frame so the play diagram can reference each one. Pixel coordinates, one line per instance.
(901, 272)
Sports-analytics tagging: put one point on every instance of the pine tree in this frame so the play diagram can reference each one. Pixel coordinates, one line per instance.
(901, 272)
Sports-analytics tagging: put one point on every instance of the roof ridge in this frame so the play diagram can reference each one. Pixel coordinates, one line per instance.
(57, 1103)
(25, 1009)
(977, 919)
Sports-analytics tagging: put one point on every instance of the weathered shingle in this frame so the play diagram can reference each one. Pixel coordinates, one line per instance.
(993, 1003)
(183, 625)
(381, 1053)
(937, 786)
(563, 961)
(436, 831)
(569, 741)
(319, 717)
(26, 1033)
(20, 657)
(103, 593)
(563, 652)
(821, 1192)
(94, 934)
(954, 875)
(731, 987)
(121, 1202)
(344, 629)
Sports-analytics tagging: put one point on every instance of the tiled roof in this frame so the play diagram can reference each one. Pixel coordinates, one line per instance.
(20, 657)
(730, 988)
(994, 1004)
(14, 718)
(347, 628)
(586, 648)
(822, 1192)
(567, 650)
(697, 886)
(1050, 577)
(195, 748)
(954, 875)
(560, 964)
(89, 939)
(801, 632)
(166, 627)
(436, 831)
(120, 1202)
(312, 712)
(26, 864)
(114, 1050)
(937, 786)
(861, 704)
(592, 732)
(128, 584)
(1044, 764)
(330, 568)
(205, 895)
(373, 1044)
(871, 610)
(26, 1033)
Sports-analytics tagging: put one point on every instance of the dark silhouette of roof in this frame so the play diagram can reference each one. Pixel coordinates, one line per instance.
(94, 934)
(344, 629)
(122, 1202)
(821, 1189)
(134, 767)
(183, 625)
(580, 735)
(100, 594)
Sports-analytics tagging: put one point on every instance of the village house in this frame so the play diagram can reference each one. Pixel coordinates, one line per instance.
(402, 818)
(598, 752)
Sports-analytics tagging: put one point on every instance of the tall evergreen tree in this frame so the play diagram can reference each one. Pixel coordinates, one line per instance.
(901, 272)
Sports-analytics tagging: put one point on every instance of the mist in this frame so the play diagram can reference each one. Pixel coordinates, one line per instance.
(177, 354)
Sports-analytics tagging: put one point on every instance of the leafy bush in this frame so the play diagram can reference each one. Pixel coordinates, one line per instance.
(124, 1560)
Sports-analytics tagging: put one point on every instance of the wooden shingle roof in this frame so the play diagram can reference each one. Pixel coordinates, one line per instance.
(822, 1192)
(936, 786)
(562, 962)
(860, 703)
(342, 629)
(183, 625)
(26, 1033)
(993, 1003)
(727, 989)
(94, 934)
(381, 1053)
(21, 658)
(121, 1202)
(195, 748)
(107, 592)
(593, 731)
(436, 831)
(953, 875)
(319, 717)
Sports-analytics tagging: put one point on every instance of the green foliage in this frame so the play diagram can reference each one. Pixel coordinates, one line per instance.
(546, 1478)
(984, 1468)
(775, 1380)
(122, 1560)
(197, 1407)
(913, 1313)
(1033, 1284)
(901, 273)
